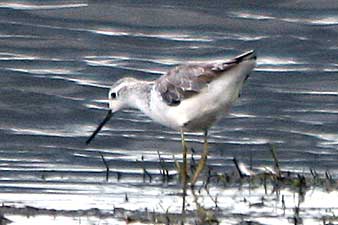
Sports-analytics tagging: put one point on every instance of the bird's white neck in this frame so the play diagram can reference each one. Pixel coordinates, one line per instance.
(139, 97)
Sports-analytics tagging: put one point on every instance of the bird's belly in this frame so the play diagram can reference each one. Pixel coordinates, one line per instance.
(201, 123)
(178, 118)
(197, 113)
(202, 113)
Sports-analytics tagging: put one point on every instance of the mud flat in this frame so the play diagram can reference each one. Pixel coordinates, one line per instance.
(244, 196)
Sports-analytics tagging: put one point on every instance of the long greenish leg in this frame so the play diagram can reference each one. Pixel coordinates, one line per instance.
(202, 162)
(184, 170)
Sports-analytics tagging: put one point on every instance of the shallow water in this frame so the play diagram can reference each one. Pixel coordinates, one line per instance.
(58, 59)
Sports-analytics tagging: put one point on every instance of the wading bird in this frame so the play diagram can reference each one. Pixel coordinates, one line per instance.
(190, 97)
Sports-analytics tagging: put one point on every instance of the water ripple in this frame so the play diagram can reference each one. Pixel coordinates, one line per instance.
(30, 6)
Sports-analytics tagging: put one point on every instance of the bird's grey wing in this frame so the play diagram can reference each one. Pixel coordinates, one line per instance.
(185, 81)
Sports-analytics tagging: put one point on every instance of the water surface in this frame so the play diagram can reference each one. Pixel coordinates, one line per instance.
(58, 59)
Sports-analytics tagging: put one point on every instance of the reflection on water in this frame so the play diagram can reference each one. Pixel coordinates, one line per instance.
(58, 59)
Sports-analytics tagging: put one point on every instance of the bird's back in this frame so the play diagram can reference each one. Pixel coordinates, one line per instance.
(184, 81)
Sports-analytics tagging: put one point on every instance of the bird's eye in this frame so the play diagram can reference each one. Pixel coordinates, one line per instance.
(113, 95)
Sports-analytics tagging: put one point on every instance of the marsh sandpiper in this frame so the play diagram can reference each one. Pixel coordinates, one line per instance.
(189, 97)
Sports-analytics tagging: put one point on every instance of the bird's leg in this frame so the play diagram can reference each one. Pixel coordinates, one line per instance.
(183, 171)
(202, 161)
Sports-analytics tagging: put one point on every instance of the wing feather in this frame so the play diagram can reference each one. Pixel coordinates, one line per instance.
(185, 81)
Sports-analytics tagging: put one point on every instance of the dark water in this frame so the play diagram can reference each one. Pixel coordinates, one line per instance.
(58, 59)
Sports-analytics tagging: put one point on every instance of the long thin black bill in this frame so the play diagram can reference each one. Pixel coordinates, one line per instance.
(108, 116)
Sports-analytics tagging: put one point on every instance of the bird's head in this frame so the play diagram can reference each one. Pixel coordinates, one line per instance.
(118, 99)
(119, 94)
